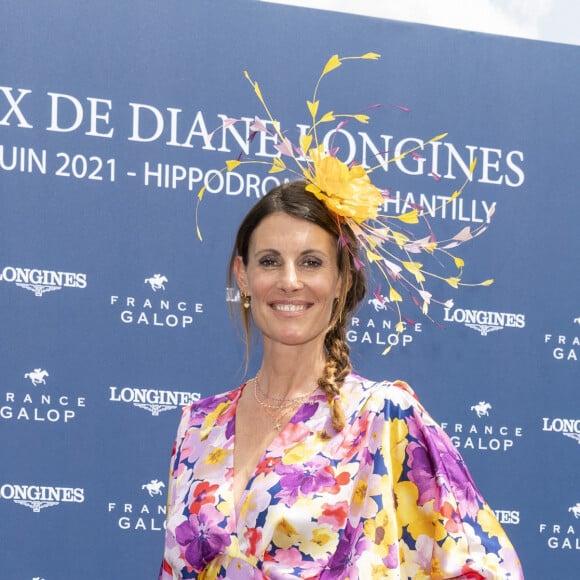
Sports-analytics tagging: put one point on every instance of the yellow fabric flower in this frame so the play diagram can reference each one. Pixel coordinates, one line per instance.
(382, 531)
(488, 522)
(285, 535)
(418, 520)
(216, 456)
(360, 492)
(348, 192)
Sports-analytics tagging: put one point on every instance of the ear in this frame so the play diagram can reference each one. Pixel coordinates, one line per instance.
(241, 275)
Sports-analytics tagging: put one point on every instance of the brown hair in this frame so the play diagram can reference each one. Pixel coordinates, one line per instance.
(293, 199)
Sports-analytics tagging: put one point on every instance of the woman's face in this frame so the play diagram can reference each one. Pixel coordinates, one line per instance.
(292, 277)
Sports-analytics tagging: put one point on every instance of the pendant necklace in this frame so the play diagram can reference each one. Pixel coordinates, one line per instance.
(282, 406)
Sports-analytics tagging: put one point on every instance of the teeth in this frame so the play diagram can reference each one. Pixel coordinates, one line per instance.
(290, 307)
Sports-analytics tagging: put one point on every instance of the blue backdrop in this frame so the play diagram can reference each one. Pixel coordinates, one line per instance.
(114, 315)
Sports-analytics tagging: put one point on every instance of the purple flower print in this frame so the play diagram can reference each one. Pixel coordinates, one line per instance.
(304, 413)
(392, 559)
(201, 536)
(438, 471)
(306, 478)
(208, 405)
(343, 565)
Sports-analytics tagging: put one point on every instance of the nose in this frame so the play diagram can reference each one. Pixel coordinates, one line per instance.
(289, 278)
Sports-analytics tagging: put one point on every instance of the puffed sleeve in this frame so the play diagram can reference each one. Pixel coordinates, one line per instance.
(445, 528)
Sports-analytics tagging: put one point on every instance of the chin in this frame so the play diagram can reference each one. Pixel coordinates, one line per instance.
(299, 339)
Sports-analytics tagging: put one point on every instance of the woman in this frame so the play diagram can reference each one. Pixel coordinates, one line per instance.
(308, 470)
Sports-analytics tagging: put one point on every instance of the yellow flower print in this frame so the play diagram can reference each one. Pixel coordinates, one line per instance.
(489, 523)
(397, 443)
(285, 535)
(321, 536)
(299, 453)
(382, 532)
(323, 541)
(360, 493)
(216, 456)
(381, 572)
(419, 520)
(211, 418)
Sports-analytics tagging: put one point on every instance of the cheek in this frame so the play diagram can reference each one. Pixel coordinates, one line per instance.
(329, 292)
(259, 285)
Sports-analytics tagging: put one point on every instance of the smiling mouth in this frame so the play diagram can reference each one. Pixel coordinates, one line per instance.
(290, 307)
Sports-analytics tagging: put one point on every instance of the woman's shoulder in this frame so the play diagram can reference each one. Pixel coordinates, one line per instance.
(383, 393)
(198, 411)
(386, 387)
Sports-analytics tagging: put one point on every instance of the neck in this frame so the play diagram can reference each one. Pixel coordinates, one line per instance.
(288, 372)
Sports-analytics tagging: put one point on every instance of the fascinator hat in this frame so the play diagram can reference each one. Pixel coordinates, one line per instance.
(385, 242)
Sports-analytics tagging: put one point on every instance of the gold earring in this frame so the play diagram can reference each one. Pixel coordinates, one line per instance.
(246, 300)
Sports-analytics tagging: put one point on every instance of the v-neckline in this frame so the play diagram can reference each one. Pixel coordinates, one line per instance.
(237, 502)
(245, 487)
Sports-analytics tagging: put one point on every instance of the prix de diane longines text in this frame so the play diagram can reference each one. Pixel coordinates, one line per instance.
(175, 127)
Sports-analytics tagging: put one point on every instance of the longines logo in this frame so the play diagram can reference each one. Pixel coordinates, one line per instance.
(563, 535)
(483, 434)
(39, 405)
(156, 311)
(564, 346)
(142, 516)
(568, 427)
(153, 400)
(41, 281)
(504, 517)
(37, 497)
(484, 321)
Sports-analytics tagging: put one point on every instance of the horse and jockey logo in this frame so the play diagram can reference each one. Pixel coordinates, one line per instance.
(37, 376)
(575, 509)
(482, 409)
(154, 487)
(157, 282)
(379, 302)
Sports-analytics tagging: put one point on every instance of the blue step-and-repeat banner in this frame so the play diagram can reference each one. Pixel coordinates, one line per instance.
(113, 315)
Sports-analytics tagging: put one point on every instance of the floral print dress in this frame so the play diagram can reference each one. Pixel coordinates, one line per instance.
(388, 497)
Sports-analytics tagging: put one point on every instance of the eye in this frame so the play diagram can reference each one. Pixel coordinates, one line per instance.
(311, 262)
(268, 261)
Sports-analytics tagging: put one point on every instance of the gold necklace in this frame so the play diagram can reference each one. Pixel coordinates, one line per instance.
(290, 405)
(281, 403)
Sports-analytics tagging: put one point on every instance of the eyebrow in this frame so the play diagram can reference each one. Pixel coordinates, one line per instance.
(278, 253)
